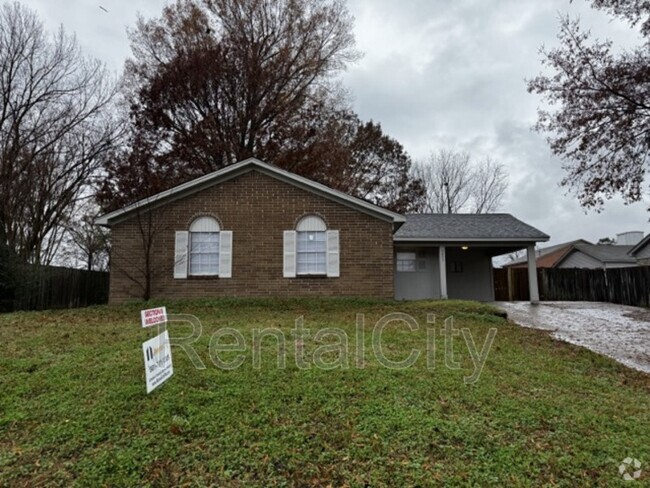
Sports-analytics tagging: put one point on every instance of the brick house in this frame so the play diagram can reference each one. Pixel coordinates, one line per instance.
(252, 229)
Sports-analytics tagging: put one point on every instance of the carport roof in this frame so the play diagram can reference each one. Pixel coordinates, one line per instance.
(467, 228)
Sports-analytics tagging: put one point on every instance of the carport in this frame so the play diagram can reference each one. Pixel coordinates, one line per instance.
(441, 256)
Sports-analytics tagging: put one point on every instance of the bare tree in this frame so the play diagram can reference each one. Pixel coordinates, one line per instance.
(86, 243)
(515, 256)
(453, 183)
(8, 275)
(55, 128)
(489, 185)
(446, 180)
(138, 264)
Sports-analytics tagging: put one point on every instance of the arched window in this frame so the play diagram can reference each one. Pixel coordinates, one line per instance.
(204, 247)
(311, 246)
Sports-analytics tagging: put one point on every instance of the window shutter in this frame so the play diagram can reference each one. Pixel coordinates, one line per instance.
(225, 254)
(289, 254)
(333, 261)
(180, 255)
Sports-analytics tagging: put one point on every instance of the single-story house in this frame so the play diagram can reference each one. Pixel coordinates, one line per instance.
(253, 229)
(584, 254)
(546, 257)
(641, 252)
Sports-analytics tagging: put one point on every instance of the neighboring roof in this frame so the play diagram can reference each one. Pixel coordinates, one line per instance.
(547, 257)
(606, 253)
(644, 242)
(239, 169)
(467, 228)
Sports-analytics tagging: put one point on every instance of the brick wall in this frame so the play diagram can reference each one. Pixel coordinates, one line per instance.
(257, 208)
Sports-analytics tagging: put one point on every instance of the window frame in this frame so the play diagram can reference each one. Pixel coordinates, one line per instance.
(312, 224)
(213, 229)
(399, 262)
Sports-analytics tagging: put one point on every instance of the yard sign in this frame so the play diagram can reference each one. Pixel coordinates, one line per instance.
(157, 361)
(153, 316)
(157, 351)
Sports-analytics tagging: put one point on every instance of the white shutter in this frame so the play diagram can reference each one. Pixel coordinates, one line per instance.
(225, 254)
(180, 255)
(333, 261)
(289, 254)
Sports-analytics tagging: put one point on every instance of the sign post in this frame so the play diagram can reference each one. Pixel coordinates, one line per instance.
(157, 352)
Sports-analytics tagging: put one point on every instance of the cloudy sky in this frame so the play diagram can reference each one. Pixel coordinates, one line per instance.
(437, 74)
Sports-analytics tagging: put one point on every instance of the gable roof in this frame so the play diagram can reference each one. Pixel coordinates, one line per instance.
(547, 257)
(605, 253)
(643, 243)
(238, 169)
(467, 228)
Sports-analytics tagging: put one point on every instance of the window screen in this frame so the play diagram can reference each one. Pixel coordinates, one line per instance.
(204, 247)
(204, 253)
(311, 252)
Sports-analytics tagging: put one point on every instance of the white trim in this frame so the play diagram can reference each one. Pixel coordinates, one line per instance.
(442, 265)
(289, 253)
(311, 223)
(473, 239)
(333, 258)
(242, 167)
(225, 254)
(181, 254)
(533, 287)
(205, 224)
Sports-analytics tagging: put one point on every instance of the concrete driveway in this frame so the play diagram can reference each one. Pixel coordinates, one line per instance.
(617, 331)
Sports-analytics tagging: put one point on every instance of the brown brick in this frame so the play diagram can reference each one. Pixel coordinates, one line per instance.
(257, 208)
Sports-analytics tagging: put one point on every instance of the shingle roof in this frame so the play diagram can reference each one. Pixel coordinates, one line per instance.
(240, 168)
(470, 227)
(639, 246)
(607, 253)
(547, 251)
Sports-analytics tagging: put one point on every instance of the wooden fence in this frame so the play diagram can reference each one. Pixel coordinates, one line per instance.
(626, 286)
(48, 287)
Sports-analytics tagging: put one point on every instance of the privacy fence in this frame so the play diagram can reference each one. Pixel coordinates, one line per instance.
(626, 286)
(49, 287)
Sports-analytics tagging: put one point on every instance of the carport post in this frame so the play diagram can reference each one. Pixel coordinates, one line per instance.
(442, 260)
(532, 275)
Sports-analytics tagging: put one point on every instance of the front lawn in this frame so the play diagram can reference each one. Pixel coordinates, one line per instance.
(73, 407)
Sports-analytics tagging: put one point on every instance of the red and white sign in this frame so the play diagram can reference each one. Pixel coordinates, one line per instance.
(153, 316)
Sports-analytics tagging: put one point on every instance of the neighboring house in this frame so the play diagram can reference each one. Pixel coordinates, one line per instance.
(547, 257)
(641, 252)
(253, 229)
(584, 254)
(598, 256)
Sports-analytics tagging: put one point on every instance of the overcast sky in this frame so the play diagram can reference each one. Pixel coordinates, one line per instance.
(437, 74)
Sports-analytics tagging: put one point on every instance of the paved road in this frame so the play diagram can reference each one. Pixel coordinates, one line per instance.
(617, 331)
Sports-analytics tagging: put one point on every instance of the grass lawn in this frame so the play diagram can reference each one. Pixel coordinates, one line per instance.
(73, 407)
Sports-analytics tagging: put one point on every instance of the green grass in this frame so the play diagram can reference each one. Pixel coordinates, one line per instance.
(73, 410)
